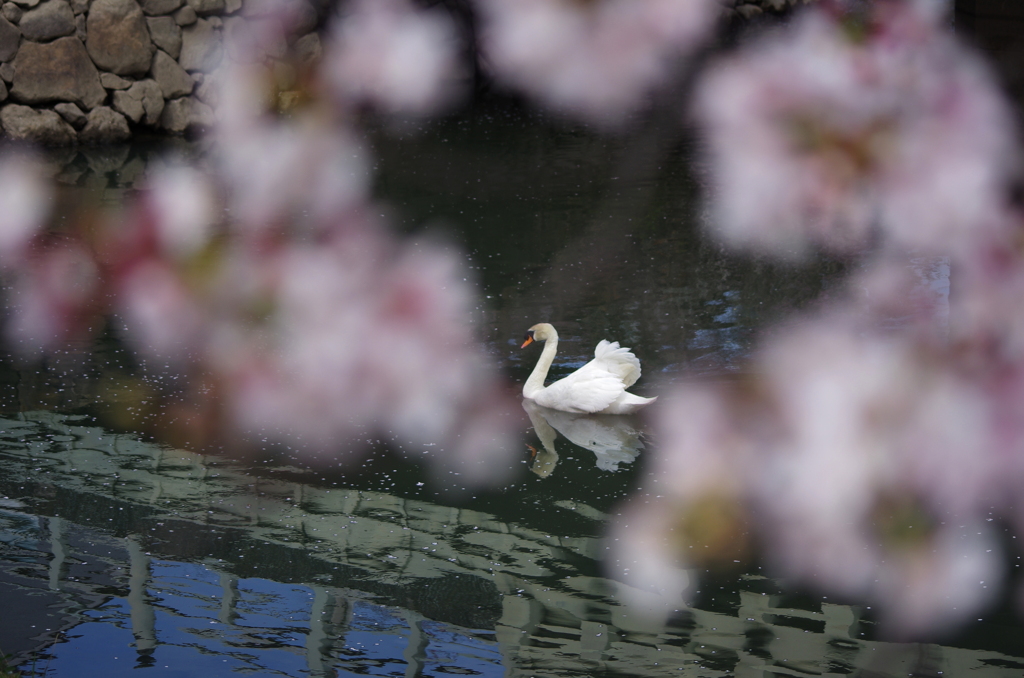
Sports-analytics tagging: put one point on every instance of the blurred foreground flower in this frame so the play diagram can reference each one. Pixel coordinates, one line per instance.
(874, 444)
(858, 463)
(269, 280)
(53, 298)
(390, 55)
(25, 199)
(596, 60)
(835, 131)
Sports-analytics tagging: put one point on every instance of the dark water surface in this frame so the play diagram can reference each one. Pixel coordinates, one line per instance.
(118, 553)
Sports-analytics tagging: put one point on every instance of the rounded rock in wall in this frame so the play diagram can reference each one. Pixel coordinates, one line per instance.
(186, 114)
(186, 16)
(117, 37)
(206, 7)
(12, 12)
(51, 19)
(128, 106)
(160, 7)
(174, 80)
(166, 34)
(56, 71)
(149, 94)
(10, 39)
(24, 123)
(72, 113)
(104, 125)
(111, 81)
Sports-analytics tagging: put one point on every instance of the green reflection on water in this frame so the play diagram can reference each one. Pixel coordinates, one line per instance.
(104, 517)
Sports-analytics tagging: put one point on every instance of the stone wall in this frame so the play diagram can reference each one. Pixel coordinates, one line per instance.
(99, 71)
(96, 71)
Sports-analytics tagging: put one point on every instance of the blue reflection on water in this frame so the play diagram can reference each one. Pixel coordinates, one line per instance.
(194, 621)
(97, 648)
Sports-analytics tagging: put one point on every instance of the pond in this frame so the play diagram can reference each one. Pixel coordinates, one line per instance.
(121, 553)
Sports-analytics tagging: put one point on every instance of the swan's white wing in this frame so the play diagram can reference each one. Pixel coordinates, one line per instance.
(618, 361)
(591, 388)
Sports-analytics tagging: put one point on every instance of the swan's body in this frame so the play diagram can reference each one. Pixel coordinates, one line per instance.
(599, 387)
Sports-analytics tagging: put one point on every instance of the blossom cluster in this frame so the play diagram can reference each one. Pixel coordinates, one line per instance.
(598, 61)
(873, 450)
(268, 275)
(896, 133)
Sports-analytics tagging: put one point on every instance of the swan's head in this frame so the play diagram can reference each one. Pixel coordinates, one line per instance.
(539, 332)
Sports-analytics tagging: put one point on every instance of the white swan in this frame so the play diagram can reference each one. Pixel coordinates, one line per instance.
(599, 387)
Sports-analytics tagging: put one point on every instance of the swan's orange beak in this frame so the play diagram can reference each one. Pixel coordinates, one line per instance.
(529, 340)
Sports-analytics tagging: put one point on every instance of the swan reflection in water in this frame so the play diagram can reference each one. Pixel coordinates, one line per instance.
(614, 439)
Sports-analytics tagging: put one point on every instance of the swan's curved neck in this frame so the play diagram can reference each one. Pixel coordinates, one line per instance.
(536, 381)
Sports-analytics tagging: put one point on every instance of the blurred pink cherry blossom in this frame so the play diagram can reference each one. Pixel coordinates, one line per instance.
(53, 297)
(185, 201)
(830, 134)
(161, 315)
(25, 201)
(366, 338)
(395, 57)
(874, 440)
(597, 60)
(264, 275)
(282, 174)
(321, 328)
(860, 464)
(886, 446)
